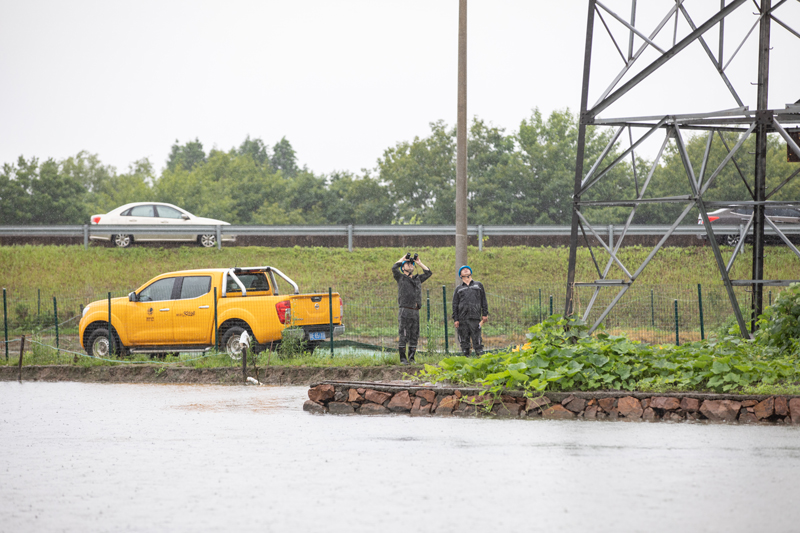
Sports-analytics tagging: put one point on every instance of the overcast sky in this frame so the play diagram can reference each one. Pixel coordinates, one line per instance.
(342, 80)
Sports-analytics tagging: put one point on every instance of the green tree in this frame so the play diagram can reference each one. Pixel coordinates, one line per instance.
(256, 149)
(284, 158)
(186, 157)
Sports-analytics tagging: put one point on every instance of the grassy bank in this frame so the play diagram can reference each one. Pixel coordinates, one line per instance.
(71, 269)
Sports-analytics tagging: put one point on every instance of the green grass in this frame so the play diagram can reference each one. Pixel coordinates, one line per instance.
(71, 269)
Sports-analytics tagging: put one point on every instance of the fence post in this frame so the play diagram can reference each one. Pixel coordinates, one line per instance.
(677, 339)
(55, 318)
(444, 307)
(540, 305)
(551, 305)
(5, 320)
(480, 237)
(216, 322)
(38, 303)
(349, 237)
(428, 323)
(700, 303)
(110, 335)
(19, 367)
(770, 298)
(330, 314)
(652, 311)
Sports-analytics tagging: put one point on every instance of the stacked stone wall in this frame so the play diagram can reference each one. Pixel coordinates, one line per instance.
(367, 398)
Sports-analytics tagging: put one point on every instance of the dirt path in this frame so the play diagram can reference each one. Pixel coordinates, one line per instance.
(275, 375)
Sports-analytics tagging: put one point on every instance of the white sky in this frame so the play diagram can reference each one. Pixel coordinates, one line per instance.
(342, 79)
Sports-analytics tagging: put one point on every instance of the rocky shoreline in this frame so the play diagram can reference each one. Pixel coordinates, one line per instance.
(411, 398)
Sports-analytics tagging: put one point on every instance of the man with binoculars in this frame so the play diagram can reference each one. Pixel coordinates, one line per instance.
(409, 299)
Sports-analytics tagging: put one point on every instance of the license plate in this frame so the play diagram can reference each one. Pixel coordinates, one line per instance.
(316, 336)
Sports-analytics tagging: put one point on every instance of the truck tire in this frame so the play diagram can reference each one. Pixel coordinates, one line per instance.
(98, 345)
(230, 342)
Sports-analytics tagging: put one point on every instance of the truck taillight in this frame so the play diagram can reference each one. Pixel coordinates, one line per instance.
(95, 219)
(282, 307)
(341, 309)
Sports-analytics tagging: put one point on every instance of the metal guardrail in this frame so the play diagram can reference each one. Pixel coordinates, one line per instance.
(351, 231)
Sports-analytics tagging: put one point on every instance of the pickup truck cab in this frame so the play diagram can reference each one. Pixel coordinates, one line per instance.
(178, 312)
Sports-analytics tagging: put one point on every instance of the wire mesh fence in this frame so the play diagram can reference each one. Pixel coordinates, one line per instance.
(653, 314)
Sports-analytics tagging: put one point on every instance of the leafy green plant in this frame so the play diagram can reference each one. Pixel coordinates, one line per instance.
(779, 326)
(564, 359)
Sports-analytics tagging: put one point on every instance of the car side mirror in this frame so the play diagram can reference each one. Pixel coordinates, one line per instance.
(185, 216)
(132, 297)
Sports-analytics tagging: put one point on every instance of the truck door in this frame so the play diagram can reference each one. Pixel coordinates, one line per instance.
(193, 311)
(151, 315)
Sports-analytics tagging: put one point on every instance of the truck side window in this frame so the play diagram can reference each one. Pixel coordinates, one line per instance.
(158, 291)
(194, 286)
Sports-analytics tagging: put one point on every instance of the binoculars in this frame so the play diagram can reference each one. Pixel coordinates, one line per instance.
(411, 257)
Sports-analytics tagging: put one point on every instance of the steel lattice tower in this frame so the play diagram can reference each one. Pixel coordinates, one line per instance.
(646, 46)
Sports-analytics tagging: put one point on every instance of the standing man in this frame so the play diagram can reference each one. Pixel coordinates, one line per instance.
(470, 311)
(409, 298)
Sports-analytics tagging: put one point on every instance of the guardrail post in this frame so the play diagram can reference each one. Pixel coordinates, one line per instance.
(349, 237)
(86, 236)
(219, 237)
(741, 231)
(677, 338)
(480, 237)
(611, 236)
(55, 318)
(700, 303)
(330, 314)
(444, 307)
(5, 320)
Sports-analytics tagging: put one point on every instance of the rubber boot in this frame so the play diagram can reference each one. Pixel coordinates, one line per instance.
(403, 360)
(411, 352)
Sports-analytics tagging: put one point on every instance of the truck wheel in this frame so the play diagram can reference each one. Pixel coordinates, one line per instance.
(98, 345)
(231, 342)
(207, 241)
(122, 241)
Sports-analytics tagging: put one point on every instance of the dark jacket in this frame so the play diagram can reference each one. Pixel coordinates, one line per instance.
(409, 289)
(469, 302)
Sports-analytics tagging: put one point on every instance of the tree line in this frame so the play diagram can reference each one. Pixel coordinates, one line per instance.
(518, 178)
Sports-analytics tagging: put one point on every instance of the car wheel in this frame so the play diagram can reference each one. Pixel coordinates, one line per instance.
(98, 345)
(230, 341)
(207, 241)
(732, 239)
(122, 241)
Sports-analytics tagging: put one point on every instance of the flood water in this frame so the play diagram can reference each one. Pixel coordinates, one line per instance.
(101, 457)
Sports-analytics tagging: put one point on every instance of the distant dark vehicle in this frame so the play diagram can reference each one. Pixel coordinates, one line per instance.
(736, 216)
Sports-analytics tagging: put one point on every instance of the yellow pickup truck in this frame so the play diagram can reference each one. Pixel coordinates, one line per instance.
(177, 312)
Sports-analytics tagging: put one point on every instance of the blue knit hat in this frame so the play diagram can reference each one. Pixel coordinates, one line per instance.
(463, 267)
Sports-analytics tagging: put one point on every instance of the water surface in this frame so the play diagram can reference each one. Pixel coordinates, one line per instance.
(101, 457)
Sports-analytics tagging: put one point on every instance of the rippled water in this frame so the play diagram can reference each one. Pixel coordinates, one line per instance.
(96, 457)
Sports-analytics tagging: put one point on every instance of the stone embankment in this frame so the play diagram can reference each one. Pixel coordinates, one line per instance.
(373, 398)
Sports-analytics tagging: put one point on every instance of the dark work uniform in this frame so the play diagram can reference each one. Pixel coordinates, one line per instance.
(409, 299)
(469, 305)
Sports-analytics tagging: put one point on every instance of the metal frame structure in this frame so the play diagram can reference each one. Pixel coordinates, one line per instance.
(741, 119)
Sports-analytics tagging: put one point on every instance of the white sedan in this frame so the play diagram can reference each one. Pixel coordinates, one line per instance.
(151, 214)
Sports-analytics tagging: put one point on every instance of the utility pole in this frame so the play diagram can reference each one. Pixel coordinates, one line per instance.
(461, 141)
